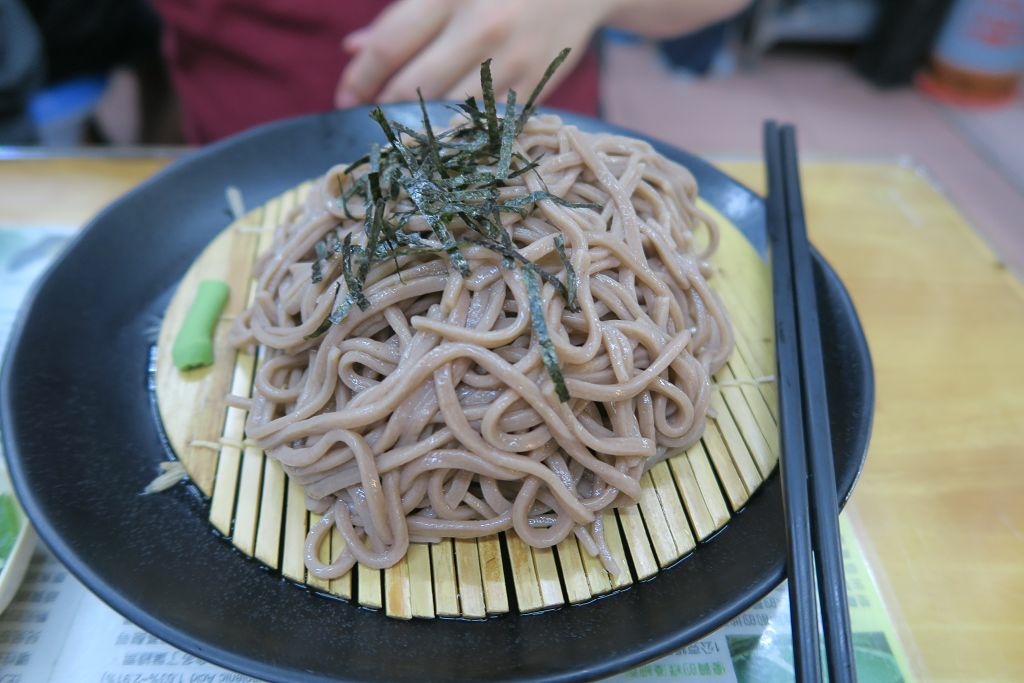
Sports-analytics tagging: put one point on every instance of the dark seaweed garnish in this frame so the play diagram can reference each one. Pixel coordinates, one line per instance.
(457, 173)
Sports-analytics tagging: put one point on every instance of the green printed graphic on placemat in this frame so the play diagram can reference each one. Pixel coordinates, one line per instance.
(754, 663)
(757, 646)
(868, 614)
(768, 656)
(10, 526)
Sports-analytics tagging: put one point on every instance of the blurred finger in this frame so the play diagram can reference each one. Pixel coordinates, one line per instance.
(468, 86)
(357, 40)
(447, 60)
(398, 34)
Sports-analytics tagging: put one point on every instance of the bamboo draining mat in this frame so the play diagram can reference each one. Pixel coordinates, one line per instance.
(685, 499)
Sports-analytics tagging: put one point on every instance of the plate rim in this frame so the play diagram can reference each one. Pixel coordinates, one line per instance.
(252, 665)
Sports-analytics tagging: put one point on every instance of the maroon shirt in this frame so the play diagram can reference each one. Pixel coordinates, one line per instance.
(239, 63)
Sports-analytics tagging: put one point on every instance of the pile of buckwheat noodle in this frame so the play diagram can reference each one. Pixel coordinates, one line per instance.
(431, 415)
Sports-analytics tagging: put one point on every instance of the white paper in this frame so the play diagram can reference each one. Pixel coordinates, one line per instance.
(25, 253)
(56, 630)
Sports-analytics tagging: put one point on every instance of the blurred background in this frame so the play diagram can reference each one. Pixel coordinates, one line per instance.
(933, 82)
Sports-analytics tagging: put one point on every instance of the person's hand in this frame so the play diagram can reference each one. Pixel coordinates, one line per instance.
(437, 46)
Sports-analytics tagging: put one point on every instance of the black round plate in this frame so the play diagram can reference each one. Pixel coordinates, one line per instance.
(82, 443)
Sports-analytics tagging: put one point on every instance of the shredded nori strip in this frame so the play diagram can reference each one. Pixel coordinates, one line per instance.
(377, 114)
(357, 163)
(454, 174)
(419, 190)
(352, 280)
(508, 134)
(572, 281)
(523, 203)
(376, 228)
(336, 316)
(540, 328)
(516, 256)
(490, 107)
(531, 103)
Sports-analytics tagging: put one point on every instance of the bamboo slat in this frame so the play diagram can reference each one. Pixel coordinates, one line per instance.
(524, 575)
(271, 507)
(729, 431)
(690, 495)
(397, 591)
(756, 393)
(672, 507)
(248, 504)
(547, 577)
(293, 562)
(746, 424)
(368, 581)
(445, 581)
(684, 500)
(323, 585)
(493, 572)
(645, 564)
(222, 502)
(709, 487)
(658, 532)
(470, 577)
(613, 538)
(421, 581)
(598, 579)
(342, 586)
(574, 575)
(725, 467)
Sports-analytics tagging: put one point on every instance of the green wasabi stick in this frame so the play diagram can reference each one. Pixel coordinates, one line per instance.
(193, 347)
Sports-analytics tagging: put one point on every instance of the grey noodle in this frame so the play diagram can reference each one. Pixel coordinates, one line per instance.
(431, 415)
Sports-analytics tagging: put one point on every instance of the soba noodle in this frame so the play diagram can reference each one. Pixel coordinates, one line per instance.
(430, 414)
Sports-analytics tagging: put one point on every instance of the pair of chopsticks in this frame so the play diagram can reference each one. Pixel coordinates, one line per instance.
(814, 549)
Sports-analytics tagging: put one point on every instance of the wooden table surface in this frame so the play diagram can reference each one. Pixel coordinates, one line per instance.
(940, 505)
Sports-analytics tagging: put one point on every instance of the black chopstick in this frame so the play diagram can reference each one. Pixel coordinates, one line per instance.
(792, 465)
(828, 549)
(812, 525)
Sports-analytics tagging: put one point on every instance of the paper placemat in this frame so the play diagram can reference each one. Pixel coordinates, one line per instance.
(56, 630)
